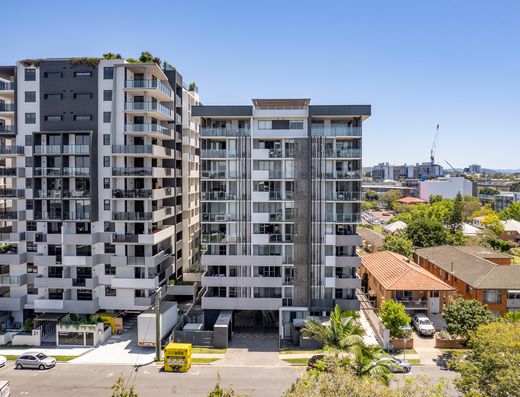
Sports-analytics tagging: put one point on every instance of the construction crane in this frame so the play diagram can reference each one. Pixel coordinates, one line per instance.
(434, 146)
(454, 170)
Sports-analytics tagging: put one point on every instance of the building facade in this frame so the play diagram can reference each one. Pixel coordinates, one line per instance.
(91, 174)
(447, 188)
(281, 198)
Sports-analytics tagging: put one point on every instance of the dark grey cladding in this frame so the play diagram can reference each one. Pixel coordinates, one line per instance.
(222, 111)
(340, 110)
(79, 96)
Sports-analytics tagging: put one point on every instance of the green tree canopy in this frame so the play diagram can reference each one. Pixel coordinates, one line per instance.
(471, 204)
(390, 197)
(488, 191)
(400, 244)
(456, 217)
(515, 187)
(492, 223)
(394, 317)
(511, 212)
(425, 232)
(435, 198)
(464, 316)
(371, 195)
(492, 366)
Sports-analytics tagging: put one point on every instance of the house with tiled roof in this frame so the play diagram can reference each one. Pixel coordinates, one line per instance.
(386, 275)
(476, 273)
(511, 230)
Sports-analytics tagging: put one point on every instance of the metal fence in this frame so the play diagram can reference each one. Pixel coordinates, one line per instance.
(196, 338)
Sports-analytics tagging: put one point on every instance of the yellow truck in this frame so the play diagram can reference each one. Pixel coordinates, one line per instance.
(177, 357)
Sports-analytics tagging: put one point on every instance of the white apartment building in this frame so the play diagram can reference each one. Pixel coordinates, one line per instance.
(91, 183)
(447, 187)
(281, 198)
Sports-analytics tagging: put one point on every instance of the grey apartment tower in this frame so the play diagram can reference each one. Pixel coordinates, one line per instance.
(92, 212)
(281, 198)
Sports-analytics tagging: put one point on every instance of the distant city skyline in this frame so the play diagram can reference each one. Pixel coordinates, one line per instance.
(417, 63)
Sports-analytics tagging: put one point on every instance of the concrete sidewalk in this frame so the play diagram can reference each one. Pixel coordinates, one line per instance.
(50, 351)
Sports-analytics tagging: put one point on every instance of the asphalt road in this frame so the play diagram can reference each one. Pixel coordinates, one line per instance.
(96, 380)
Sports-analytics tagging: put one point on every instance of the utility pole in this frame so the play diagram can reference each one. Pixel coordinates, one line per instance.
(158, 324)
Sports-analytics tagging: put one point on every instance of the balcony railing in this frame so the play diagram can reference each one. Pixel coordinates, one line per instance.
(125, 171)
(7, 215)
(135, 193)
(218, 196)
(76, 171)
(76, 216)
(147, 128)
(76, 149)
(6, 86)
(47, 149)
(7, 128)
(50, 194)
(346, 218)
(12, 193)
(6, 107)
(216, 153)
(11, 149)
(413, 304)
(343, 175)
(39, 215)
(48, 171)
(76, 193)
(214, 174)
(131, 216)
(148, 106)
(124, 238)
(343, 153)
(336, 131)
(148, 84)
(343, 196)
(205, 131)
(7, 171)
(138, 149)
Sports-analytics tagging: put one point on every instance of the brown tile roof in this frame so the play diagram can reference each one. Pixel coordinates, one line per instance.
(468, 264)
(396, 273)
(411, 200)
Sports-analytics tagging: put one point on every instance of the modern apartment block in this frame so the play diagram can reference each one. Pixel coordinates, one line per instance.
(91, 184)
(281, 198)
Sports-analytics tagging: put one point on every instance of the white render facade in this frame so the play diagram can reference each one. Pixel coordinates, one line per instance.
(91, 183)
(281, 198)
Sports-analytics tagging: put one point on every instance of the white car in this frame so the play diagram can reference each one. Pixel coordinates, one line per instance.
(423, 325)
(2, 361)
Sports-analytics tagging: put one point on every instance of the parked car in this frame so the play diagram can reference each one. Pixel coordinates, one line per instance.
(35, 360)
(395, 365)
(314, 359)
(423, 325)
(2, 362)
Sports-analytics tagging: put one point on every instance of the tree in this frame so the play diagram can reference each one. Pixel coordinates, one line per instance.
(368, 205)
(435, 198)
(146, 57)
(371, 195)
(457, 238)
(492, 366)
(512, 211)
(110, 55)
(342, 332)
(424, 232)
(119, 388)
(389, 197)
(488, 191)
(471, 204)
(339, 380)
(400, 244)
(364, 363)
(512, 317)
(456, 215)
(394, 317)
(193, 86)
(492, 222)
(515, 187)
(464, 316)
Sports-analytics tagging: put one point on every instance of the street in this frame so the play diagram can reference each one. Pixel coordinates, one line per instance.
(96, 380)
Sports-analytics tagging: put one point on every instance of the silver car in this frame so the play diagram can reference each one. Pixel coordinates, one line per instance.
(35, 360)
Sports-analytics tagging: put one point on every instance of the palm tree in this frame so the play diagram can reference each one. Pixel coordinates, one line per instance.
(364, 362)
(342, 332)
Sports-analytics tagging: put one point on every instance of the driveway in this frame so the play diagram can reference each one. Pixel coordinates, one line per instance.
(252, 348)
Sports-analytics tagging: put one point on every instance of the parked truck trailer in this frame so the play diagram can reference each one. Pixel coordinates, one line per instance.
(146, 323)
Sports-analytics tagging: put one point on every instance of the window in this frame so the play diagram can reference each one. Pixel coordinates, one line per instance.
(110, 248)
(30, 96)
(52, 96)
(83, 95)
(110, 291)
(106, 205)
(492, 296)
(83, 117)
(28, 183)
(107, 116)
(110, 270)
(29, 162)
(82, 74)
(106, 183)
(53, 118)
(32, 247)
(106, 139)
(52, 74)
(30, 118)
(265, 124)
(295, 124)
(28, 140)
(106, 161)
(469, 290)
(108, 73)
(31, 225)
(109, 227)
(30, 74)
(107, 95)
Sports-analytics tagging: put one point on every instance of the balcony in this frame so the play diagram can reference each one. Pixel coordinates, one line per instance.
(48, 171)
(7, 129)
(73, 171)
(156, 130)
(155, 108)
(13, 304)
(216, 153)
(139, 171)
(140, 150)
(343, 196)
(336, 131)
(76, 149)
(77, 260)
(47, 194)
(8, 215)
(76, 216)
(144, 301)
(343, 218)
(60, 282)
(232, 132)
(6, 86)
(214, 174)
(343, 153)
(343, 175)
(13, 281)
(47, 149)
(11, 150)
(135, 283)
(124, 238)
(417, 304)
(12, 193)
(7, 107)
(12, 237)
(155, 85)
(6, 172)
(132, 194)
(218, 195)
(76, 194)
(131, 216)
(223, 303)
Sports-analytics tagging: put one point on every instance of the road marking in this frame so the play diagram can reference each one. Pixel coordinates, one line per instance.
(110, 374)
(194, 373)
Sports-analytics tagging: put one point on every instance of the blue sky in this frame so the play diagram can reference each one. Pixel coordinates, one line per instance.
(418, 63)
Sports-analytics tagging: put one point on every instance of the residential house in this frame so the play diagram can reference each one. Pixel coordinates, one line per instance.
(511, 230)
(394, 227)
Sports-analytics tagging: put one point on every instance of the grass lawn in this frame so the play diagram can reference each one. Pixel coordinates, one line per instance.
(455, 351)
(12, 357)
(207, 350)
(516, 259)
(296, 361)
(196, 360)
(310, 352)
(407, 351)
(414, 361)
(378, 228)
